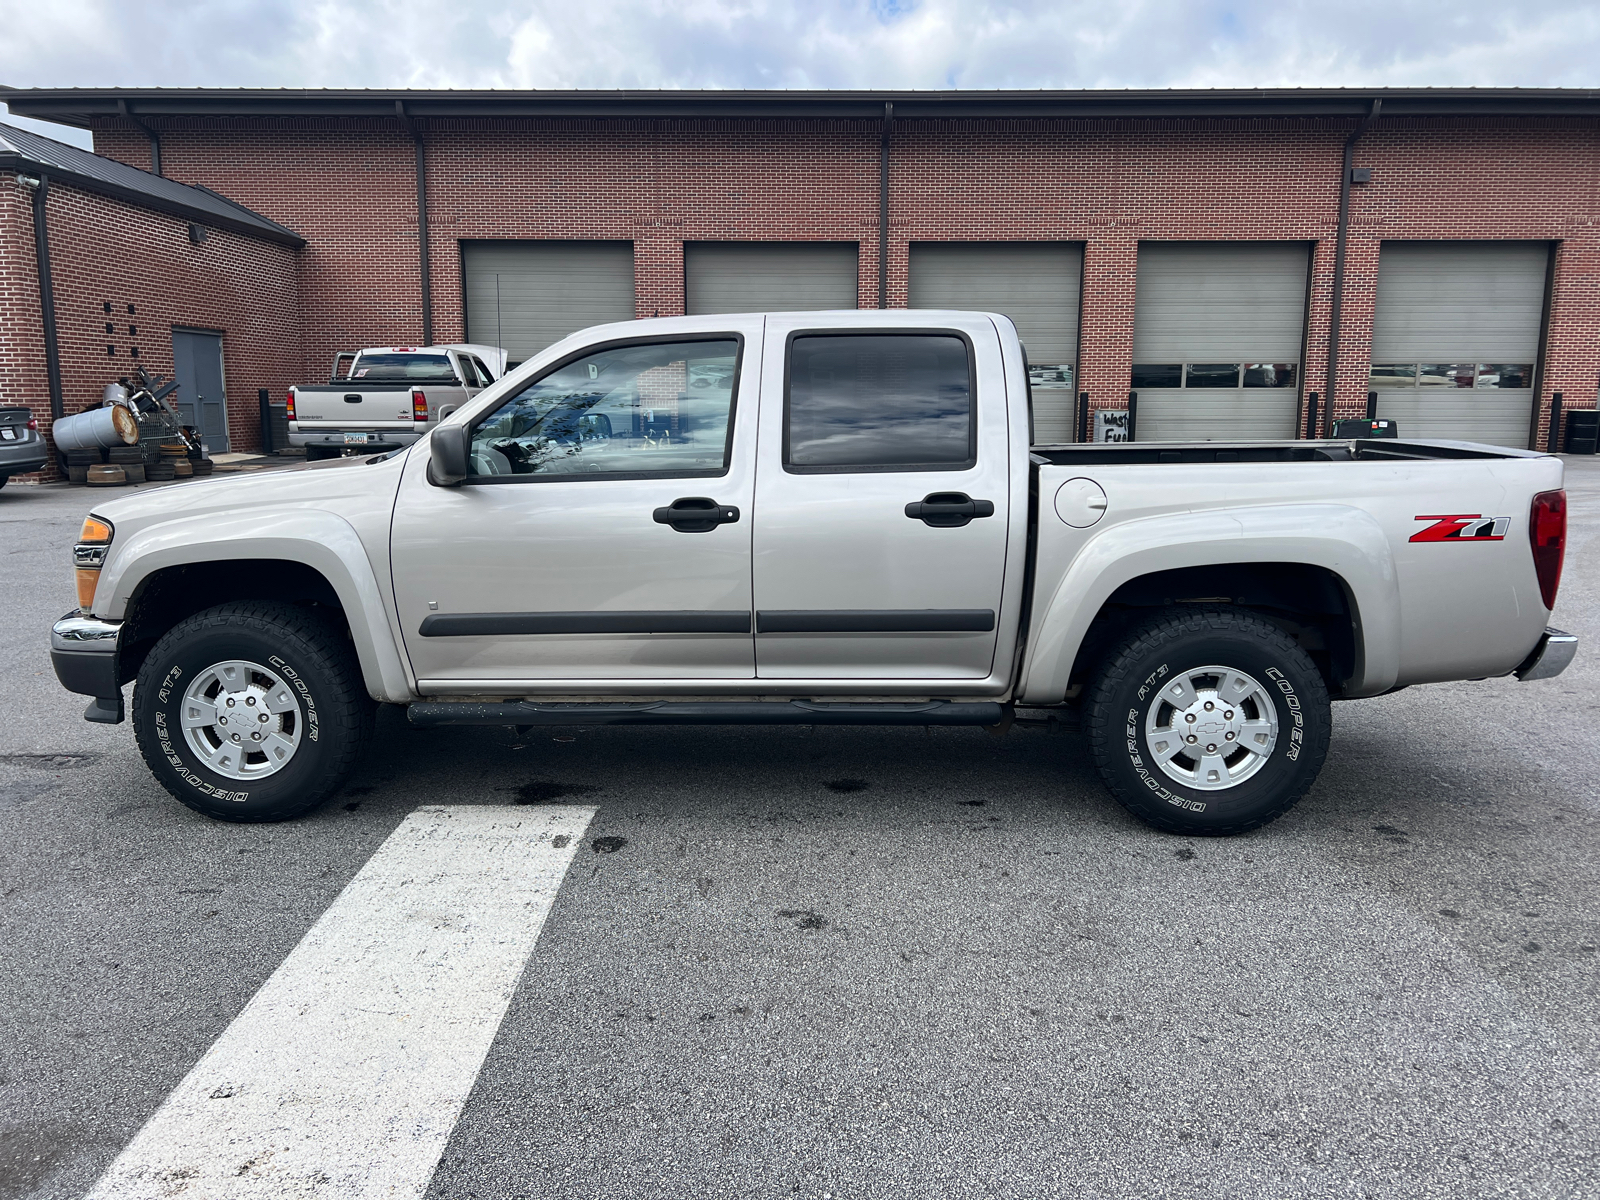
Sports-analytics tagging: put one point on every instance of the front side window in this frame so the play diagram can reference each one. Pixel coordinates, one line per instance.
(404, 368)
(469, 375)
(664, 408)
(886, 402)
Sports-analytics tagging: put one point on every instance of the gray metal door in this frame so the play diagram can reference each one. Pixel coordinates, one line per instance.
(524, 296)
(735, 277)
(1037, 285)
(201, 398)
(1456, 336)
(1217, 334)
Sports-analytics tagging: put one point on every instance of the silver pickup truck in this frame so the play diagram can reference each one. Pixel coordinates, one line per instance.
(386, 397)
(816, 519)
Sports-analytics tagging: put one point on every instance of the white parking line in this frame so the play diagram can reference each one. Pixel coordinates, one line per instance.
(345, 1074)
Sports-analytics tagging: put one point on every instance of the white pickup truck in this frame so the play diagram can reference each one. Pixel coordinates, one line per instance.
(815, 519)
(387, 397)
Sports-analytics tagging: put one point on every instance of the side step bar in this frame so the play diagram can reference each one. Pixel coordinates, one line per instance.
(714, 712)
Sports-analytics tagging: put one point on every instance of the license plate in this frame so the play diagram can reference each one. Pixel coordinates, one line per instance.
(355, 439)
(8, 434)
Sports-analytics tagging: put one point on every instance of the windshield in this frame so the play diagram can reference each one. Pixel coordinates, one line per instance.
(404, 367)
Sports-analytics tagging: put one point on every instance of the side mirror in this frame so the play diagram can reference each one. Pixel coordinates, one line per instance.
(448, 446)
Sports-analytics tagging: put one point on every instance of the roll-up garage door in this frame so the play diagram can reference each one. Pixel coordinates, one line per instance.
(1218, 331)
(1455, 338)
(730, 277)
(525, 296)
(1037, 285)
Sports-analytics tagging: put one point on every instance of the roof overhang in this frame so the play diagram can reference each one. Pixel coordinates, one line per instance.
(271, 231)
(82, 106)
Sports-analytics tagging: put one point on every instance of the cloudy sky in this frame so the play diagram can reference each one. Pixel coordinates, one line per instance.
(773, 44)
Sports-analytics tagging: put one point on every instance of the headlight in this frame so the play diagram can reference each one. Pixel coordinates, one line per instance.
(89, 555)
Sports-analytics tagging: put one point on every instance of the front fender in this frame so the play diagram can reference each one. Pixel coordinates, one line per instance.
(321, 540)
(1346, 541)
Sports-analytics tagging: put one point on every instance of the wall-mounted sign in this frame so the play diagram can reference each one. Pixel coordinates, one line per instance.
(1111, 425)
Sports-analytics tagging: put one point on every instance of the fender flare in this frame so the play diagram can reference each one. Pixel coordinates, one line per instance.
(323, 541)
(1343, 540)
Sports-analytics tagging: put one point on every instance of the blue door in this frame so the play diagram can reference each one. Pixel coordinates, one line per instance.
(200, 399)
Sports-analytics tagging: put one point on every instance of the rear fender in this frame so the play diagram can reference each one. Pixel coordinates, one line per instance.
(1346, 541)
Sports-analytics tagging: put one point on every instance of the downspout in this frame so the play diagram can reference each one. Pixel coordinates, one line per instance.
(155, 138)
(422, 220)
(47, 296)
(883, 204)
(1332, 389)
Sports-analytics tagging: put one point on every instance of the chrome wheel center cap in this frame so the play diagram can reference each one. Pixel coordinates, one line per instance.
(241, 719)
(1211, 728)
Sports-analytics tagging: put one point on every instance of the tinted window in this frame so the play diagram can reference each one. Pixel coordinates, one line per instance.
(1157, 375)
(1269, 375)
(469, 374)
(389, 368)
(889, 401)
(658, 409)
(483, 372)
(1212, 375)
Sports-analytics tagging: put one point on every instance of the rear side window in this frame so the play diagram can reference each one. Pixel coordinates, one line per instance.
(879, 402)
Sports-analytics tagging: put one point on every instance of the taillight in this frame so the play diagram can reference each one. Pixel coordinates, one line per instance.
(291, 406)
(1547, 530)
(33, 424)
(419, 406)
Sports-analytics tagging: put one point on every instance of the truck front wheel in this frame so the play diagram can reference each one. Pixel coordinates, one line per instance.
(1208, 721)
(252, 711)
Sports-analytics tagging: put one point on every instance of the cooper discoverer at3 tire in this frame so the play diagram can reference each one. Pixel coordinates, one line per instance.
(252, 711)
(1208, 721)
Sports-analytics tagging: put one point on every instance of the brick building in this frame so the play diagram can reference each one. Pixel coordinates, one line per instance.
(1230, 258)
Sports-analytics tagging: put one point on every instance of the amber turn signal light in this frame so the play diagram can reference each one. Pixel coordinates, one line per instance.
(88, 556)
(95, 530)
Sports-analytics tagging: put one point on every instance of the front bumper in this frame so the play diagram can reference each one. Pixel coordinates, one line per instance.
(1550, 657)
(83, 651)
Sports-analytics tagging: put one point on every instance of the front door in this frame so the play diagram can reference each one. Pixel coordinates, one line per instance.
(201, 399)
(604, 533)
(882, 502)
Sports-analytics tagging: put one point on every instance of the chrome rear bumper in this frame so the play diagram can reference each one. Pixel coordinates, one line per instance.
(1550, 657)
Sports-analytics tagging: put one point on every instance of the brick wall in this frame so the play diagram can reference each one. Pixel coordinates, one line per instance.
(347, 186)
(105, 251)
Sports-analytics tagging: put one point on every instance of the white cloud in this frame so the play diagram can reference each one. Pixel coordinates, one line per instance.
(924, 44)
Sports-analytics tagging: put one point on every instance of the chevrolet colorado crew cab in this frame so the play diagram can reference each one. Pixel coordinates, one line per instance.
(387, 397)
(819, 519)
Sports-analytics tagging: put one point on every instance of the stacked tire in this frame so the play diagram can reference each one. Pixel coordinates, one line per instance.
(79, 462)
(131, 459)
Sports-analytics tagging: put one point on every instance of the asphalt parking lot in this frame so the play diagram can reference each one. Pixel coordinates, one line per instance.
(870, 962)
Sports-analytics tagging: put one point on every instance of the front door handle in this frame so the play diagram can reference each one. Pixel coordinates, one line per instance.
(948, 510)
(696, 514)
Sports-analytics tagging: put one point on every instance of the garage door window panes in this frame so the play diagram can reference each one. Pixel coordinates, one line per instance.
(1513, 376)
(1214, 375)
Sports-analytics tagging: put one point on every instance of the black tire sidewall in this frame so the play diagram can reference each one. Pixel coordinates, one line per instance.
(158, 699)
(1297, 694)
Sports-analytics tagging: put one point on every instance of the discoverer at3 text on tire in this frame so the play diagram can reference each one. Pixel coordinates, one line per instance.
(252, 711)
(1208, 721)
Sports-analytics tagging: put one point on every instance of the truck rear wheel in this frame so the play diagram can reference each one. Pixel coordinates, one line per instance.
(252, 711)
(1208, 721)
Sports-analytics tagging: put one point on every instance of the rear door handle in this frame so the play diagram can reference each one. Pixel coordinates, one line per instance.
(948, 510)
(696, 514)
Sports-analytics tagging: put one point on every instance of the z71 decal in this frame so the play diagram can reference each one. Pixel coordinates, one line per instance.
(1462, 527)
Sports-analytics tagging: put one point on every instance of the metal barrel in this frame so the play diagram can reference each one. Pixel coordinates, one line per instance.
(95, 429)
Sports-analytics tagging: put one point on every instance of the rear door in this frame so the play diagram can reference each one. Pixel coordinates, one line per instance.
(882, 499)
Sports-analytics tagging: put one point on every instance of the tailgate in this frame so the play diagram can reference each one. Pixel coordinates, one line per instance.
(381, 406)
